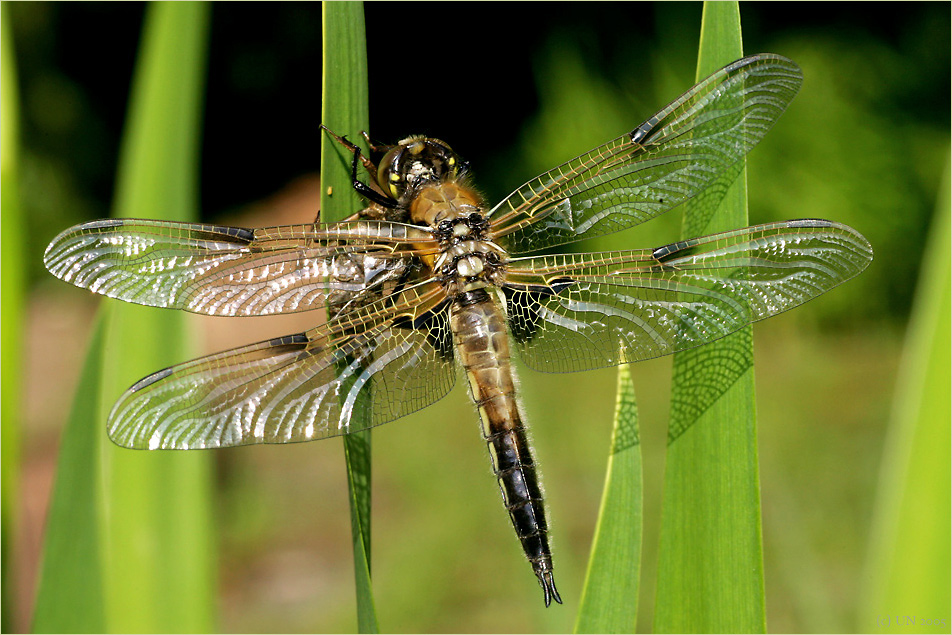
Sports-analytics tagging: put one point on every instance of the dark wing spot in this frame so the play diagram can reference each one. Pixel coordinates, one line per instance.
(241, 233)
(151, 379)
(106, 222)
(291, 341)
(808, 222)
(680, 249)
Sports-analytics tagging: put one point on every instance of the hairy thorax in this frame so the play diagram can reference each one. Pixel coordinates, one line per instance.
(444, 201)
(467, 259)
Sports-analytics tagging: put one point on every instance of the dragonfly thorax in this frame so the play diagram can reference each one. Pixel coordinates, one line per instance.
(446, 201)
(467, 258)
(470, 264)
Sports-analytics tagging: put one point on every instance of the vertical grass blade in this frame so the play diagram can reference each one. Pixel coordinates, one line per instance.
(157, 536)
(908, 567)
(70, 593)
(710, 569)
(11, 318)
(610, 594)
(344, 110)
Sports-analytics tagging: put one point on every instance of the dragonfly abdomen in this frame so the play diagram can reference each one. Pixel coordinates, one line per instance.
(479, 332)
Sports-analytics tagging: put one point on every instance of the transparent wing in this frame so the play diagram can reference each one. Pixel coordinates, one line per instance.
(583, 311)
(218, 270)
(377, 365)
(662, 163)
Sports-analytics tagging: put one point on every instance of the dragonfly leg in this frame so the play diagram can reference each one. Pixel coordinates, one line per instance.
(359, 186)
(374, 146)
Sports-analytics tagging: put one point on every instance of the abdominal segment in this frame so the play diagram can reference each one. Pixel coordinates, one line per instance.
(479, 332)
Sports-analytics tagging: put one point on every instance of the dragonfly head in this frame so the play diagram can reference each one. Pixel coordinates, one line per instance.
(414, 162)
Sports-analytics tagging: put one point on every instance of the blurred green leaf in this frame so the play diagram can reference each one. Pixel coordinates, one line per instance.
(908, 566)
(70, 594)
(128, 543)
(610, 595)
(710, 569)
(12, 266)
(159, 561)
(345, 111)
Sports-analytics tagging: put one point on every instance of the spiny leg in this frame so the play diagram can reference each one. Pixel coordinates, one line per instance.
(359, 186)
(351, 147)
(375, 146)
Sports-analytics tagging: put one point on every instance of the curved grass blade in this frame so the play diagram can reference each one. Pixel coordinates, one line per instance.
(12, 270)
(157, 538)
(345, 111)
(710, 570)
(908, 562)
(610, 594)
(70, 594)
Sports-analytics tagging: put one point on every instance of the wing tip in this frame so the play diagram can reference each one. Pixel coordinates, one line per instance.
(819, 223)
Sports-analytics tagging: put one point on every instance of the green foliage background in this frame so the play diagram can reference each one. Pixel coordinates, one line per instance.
(866, 142)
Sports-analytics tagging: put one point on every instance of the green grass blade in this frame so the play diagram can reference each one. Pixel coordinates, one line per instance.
(908, 568)
(345, 111)
(12, 261)
(610, 594)
(710, 569)
(70, 593)
(157, 535)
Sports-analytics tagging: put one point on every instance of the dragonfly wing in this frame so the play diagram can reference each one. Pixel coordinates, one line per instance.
(313, 385)
(582, 311)
(219, 270)
(662, 163)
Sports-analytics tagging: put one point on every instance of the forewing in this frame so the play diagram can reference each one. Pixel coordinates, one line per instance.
(662, 163)
(335, 379)
(219, 270)
(583, 311)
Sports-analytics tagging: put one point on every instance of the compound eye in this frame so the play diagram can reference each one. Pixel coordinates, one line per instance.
(388, 175)
(450, 159)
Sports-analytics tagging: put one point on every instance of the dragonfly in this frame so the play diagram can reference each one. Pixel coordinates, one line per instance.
(428, 282)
